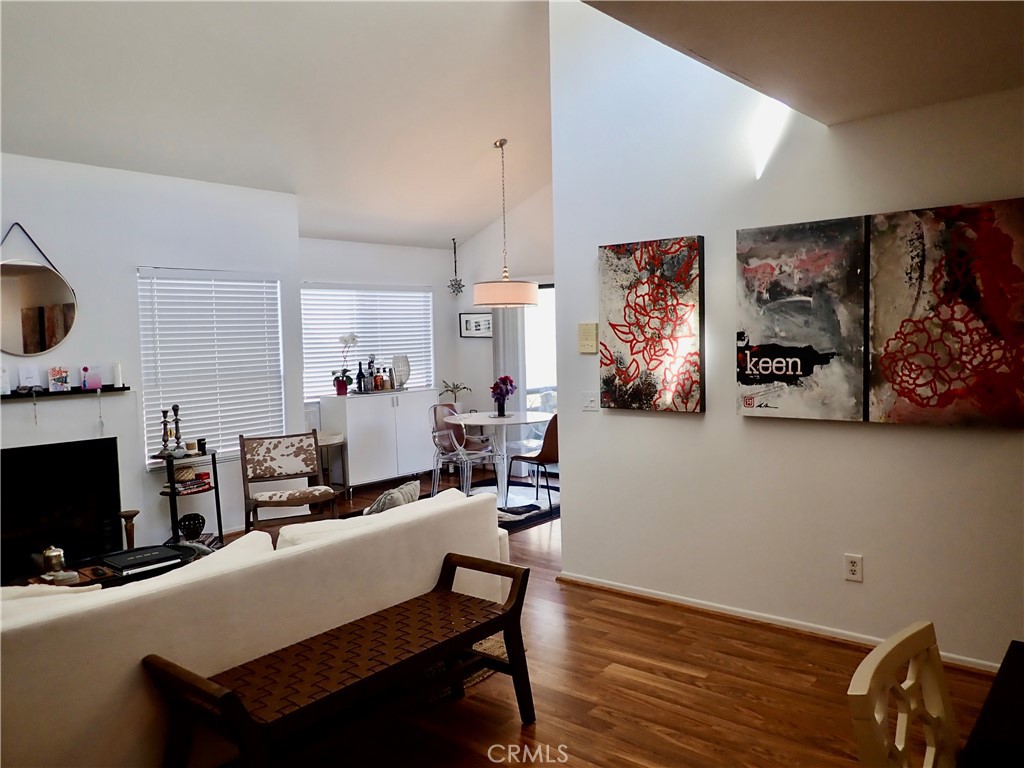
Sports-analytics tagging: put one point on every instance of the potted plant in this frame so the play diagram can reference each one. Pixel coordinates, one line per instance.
(454, 388)
(342, 378)
(341, 381)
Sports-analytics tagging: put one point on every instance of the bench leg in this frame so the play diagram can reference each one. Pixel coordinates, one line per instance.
(520, 674)
(253, 756)
(179, 738)
(455, 682)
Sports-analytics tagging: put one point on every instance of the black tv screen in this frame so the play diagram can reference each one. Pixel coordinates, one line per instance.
(63, 494)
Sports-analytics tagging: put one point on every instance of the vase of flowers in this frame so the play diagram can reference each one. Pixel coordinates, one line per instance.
(501, 390)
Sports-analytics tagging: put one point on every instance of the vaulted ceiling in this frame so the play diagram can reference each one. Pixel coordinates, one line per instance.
(842, 61)
(379, 116)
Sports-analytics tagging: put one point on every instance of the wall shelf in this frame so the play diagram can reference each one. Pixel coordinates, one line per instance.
(106, 389)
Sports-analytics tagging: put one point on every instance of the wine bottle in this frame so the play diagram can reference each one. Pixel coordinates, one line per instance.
(360, 379)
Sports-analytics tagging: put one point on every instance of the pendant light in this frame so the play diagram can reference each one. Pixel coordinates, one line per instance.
(504, 292)
(455, 285)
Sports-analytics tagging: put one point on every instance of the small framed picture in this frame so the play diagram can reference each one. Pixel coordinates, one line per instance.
(475, 325)
(58, 376)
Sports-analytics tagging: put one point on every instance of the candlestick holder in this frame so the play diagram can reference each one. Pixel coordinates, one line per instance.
(165, 436)
(177, 428)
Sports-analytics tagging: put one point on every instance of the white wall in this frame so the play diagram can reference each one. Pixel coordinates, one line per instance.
(97, 225)
(753, 515)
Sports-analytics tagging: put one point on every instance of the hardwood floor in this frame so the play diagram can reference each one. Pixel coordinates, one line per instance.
(626, 681)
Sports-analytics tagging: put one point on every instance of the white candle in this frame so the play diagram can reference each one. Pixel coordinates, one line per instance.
(118, 378)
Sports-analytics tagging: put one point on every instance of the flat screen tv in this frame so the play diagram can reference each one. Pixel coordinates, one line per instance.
(63, 494)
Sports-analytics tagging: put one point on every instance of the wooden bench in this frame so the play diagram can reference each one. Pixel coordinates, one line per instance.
(264, 704)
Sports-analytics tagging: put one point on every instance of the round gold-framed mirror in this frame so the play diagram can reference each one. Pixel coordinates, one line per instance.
(37, 307)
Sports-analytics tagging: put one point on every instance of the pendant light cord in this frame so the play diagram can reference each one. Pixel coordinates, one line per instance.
(500, 144)
(455, 257)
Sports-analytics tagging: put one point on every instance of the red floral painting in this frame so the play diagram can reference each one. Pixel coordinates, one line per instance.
(947, 320)
(652, 325)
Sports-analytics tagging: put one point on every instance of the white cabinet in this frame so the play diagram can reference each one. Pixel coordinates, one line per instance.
(388, 433)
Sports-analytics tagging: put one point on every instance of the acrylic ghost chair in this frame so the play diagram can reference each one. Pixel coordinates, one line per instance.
(453, 446)
(283, 457)
(921, 697)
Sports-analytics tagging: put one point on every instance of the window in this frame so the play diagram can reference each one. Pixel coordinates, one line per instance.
(388, 322)
(540, 348)
(211, 342)
(541, 377)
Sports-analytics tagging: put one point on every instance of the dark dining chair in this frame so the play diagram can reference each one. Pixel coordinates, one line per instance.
(541, 459)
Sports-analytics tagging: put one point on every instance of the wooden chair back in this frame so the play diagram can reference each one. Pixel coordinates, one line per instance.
(905, 670)
(280, 457)
(548, 453)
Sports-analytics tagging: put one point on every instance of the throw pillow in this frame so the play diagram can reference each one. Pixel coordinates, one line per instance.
(395, 497)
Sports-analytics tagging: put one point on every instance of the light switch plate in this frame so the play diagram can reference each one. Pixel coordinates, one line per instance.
(590, 402)
(588, 338)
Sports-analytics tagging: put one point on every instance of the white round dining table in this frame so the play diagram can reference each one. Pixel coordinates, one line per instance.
(499, 425)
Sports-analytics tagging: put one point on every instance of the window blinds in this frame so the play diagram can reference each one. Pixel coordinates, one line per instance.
(211, 342)
(388, 322)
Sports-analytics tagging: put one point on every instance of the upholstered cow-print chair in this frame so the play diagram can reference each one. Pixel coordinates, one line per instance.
(284, 457)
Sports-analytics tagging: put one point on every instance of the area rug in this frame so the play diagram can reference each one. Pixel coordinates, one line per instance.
(493, 645)
(523, 509)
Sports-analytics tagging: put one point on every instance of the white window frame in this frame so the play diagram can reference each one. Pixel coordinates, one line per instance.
(210, 342)
(375, 315)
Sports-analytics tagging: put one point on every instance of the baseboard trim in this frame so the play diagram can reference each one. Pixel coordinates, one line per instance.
(765, 618)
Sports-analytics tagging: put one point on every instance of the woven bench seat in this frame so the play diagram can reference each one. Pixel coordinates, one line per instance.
(263, 703)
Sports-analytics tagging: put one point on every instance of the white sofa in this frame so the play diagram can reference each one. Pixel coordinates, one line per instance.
(74, 692)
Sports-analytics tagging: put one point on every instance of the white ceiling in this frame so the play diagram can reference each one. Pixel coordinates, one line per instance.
(379, 116)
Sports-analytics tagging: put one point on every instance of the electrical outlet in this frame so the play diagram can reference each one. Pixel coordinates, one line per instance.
(590, 402)
(853, 567)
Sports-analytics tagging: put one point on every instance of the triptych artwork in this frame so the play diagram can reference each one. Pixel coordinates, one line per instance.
(651, 332)
(914, 317)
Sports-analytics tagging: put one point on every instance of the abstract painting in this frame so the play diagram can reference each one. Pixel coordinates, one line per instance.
(913, 317)
(947, 315)
(800, 339)
(652, 325)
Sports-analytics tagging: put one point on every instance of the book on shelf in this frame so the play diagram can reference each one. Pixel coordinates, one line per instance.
(143, 559)
(197, 489)
(189, 486)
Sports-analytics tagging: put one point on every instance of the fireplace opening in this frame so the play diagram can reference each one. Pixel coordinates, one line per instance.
(63, 494)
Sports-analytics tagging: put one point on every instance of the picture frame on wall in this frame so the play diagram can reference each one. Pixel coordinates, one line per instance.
(475, 325)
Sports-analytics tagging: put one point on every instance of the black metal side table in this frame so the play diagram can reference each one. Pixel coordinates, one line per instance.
(172, 494)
